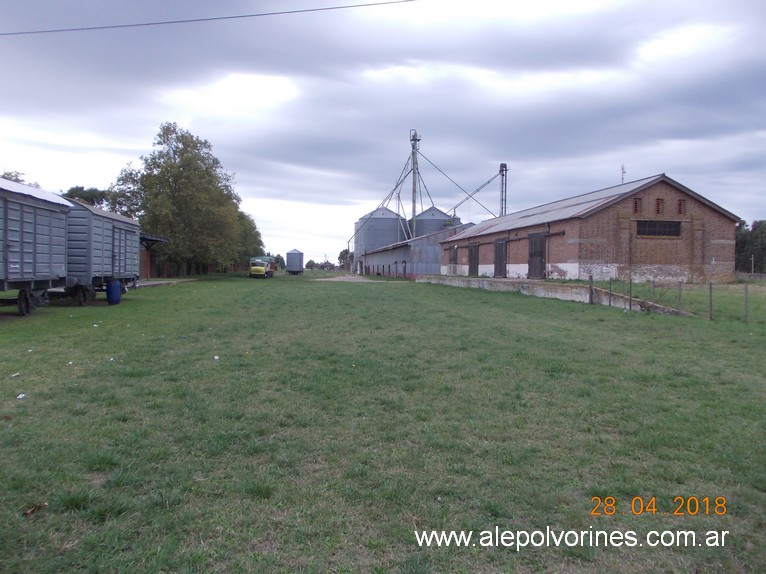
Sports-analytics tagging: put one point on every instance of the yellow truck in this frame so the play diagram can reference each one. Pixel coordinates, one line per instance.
(258, 268)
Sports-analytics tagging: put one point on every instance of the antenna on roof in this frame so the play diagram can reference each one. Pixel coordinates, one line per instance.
(623, 173)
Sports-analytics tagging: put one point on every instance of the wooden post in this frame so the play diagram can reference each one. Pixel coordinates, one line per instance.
(610, 291)
(680, 290)
(590, 289)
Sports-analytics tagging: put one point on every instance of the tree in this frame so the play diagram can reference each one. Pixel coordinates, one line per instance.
(750, 247)
(18, 177)
(92, 196)
(346, 259)
(126, 195)
(311, 264)
(182, 192)
(250, 243)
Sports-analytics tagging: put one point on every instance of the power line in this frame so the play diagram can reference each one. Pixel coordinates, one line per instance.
(470, 195)
(193, 20)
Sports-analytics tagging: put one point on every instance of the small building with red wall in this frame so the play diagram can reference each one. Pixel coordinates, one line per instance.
(650, 229)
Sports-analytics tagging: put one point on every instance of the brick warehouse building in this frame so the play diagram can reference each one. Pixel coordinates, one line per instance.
(653, 228)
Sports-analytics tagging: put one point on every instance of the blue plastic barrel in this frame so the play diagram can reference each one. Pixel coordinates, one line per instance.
(113, 292)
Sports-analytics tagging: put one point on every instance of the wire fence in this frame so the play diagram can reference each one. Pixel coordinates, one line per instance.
(741, 301)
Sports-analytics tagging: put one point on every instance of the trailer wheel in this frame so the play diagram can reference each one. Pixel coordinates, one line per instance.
(82, 296)
(24, 303)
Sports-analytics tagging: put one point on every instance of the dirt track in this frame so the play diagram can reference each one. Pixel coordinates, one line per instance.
(347, 277)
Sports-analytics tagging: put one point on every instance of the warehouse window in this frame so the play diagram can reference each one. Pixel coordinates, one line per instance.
(659, 206)
(681, 207)
(636, 205)
(659, 228)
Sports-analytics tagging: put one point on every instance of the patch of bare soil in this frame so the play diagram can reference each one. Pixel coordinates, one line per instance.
(347, 277)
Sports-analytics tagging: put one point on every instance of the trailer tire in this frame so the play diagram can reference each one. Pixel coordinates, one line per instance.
(24, 303)
(82, 296)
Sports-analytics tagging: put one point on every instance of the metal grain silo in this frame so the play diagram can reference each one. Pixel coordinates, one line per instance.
(377, 229)
(294, 262)
(432, 220)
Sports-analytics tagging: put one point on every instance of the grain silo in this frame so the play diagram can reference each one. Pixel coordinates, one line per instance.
(377, 229)
(431, 220)
(294, 262)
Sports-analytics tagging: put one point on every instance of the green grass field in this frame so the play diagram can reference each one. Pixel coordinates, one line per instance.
(294, 425)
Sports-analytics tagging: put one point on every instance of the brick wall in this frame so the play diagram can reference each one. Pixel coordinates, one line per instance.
(606, 243)
(704, 250)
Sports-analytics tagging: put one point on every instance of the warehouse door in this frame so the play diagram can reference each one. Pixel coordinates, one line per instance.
(500, 268)
(473, 260)
(536, 257)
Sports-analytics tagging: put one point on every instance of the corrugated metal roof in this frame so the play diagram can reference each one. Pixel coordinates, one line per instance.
(577, 206)
(32, 192)
(102, 212)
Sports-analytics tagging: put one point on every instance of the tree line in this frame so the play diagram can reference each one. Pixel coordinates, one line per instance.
(751, 247)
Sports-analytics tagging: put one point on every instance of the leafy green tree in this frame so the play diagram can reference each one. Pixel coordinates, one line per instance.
(14, 176)
(189, 198)
(311, 264)
(18, 177)
(250, 243)
(751, 247)
(182, 192)
(346, 259)
(92, 196)
(126, 195)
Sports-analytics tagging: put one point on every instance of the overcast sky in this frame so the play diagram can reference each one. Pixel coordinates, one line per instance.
(312, 111)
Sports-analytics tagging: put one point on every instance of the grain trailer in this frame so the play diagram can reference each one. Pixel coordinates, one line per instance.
(33, 227)
(103, 252)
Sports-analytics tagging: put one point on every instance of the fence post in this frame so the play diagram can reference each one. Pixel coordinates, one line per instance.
(590, 289)
(710, 302)
(610, 291)
(746, 304)
(680, 289)
(630, 293)
(654, 291)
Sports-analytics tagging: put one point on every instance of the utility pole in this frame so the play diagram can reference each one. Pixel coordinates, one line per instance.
(415, 141)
